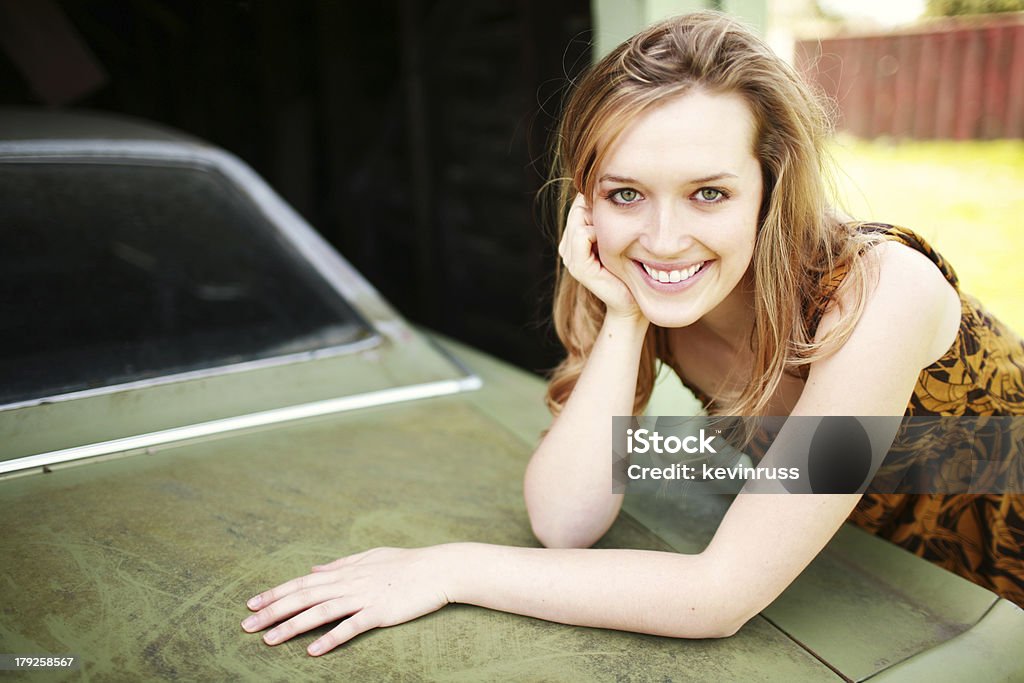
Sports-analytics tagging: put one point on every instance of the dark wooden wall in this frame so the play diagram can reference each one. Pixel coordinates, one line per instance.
(412, 133)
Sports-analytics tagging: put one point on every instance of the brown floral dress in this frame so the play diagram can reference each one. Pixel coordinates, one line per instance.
(978, 536)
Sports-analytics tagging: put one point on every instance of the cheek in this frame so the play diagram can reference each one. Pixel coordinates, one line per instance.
(615, 225)
(738, 234)
(743, 253)
(611, 231)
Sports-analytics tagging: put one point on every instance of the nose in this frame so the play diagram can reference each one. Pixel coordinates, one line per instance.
(667, 232)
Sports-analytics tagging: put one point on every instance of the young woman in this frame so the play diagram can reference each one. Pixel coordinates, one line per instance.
(698, 234)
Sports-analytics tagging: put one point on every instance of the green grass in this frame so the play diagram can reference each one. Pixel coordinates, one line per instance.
(966, 198)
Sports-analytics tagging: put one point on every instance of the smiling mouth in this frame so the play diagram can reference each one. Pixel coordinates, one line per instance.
(679, 275)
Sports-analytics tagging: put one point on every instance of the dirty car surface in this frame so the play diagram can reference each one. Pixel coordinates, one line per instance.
(200, 399)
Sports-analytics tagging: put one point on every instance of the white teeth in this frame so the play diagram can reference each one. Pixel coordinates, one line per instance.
(673, 275)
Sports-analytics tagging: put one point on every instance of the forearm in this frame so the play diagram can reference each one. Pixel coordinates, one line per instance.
(631, 590)
(568, 482)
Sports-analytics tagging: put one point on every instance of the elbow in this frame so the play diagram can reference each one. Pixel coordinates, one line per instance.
(554, 535)
(721, 609)
(724, 628)
(553, 527)
(715, 626)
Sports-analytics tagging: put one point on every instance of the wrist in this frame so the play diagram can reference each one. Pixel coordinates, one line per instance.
(453, 563)
(631, 324)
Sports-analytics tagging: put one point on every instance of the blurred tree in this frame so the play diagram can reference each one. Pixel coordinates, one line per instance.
(950, 8)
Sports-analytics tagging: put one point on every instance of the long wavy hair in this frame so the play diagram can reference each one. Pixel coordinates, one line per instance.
(799, 239)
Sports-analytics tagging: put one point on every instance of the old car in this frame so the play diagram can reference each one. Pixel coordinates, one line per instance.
(201, 398)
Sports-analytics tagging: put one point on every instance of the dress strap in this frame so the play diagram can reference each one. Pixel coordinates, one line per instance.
(914, 241)
(894, 233)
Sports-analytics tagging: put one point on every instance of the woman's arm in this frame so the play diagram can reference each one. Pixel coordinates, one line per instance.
(634, 590)
(568, 483)
(763, 543)
(708, 595)
(910, 319)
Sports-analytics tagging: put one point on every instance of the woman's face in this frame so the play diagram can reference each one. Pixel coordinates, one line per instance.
(677, 203)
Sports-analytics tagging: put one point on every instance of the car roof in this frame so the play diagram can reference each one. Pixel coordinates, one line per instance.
(406, 365)
(35, 123)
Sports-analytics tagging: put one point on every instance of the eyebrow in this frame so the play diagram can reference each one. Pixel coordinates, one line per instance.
(706, 179)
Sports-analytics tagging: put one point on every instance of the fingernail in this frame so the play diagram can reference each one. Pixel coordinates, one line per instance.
(254, 602)
(249, 623)
(316, 648)
(272, 637)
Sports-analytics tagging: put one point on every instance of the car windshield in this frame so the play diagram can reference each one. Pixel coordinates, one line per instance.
(118, 272)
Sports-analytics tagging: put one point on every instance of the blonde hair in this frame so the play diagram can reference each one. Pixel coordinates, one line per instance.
(799, 240)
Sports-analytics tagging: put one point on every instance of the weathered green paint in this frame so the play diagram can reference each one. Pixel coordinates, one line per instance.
(862, 605)
(511, 397)
(52, 426)
(994, 645)
(865, 604)
(140, 565)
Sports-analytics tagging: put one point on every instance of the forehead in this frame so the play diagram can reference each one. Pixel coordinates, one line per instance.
(688, 134)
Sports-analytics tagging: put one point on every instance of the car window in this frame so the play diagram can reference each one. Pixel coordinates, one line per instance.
(116, 272)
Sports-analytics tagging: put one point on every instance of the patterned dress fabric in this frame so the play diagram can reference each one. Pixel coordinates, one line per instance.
(978, 536)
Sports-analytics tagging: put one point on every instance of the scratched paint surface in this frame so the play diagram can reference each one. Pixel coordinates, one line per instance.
(911, 605)
(140, 565)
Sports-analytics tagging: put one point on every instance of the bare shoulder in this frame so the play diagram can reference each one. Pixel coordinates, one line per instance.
(908, 299)
(909, 319)
(899, 264)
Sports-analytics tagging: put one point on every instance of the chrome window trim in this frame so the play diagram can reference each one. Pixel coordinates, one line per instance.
(259, 419)
(370, 342)
(338, 273)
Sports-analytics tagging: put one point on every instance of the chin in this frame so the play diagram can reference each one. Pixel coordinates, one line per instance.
(663, 318)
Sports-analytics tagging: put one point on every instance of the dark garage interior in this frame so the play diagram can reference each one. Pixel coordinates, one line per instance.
(412, 134)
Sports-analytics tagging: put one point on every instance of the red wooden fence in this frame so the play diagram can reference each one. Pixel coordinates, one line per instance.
(951, 80)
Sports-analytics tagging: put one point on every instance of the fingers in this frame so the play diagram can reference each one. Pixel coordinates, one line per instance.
(319, 611)
(578, 237)
(580, 203)
(317, 615)
(578, 216)
(382, 586)
(360, 622)
(289, 605)
(274, 594)
(578, 249)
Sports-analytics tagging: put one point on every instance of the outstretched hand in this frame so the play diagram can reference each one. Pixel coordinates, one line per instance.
(578, 249)
(373, 589)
